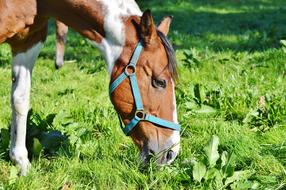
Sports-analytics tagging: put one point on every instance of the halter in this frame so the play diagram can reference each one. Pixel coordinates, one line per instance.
(140, 114)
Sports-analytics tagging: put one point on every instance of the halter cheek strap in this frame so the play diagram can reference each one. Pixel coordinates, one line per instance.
(140, 114)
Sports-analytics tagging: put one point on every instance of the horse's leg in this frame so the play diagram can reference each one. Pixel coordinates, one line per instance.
(61, 37)
(22, 70)
(25, 53)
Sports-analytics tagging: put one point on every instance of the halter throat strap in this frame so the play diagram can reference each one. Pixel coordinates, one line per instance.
(140, 114)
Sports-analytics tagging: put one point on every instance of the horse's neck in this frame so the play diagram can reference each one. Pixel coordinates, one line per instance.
(114, 12)
(101, 21)
(115, 36)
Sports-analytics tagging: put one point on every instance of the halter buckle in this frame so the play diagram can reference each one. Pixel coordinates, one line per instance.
(130, 70)
(140, 114)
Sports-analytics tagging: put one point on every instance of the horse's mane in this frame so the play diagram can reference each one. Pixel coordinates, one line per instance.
(172, 63)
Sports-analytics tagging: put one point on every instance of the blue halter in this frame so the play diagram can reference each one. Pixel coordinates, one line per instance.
(140, 114)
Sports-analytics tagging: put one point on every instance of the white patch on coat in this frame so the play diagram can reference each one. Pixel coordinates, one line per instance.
(173, 143)
(110, 52)
(21, 72)
(114, 12)
(175, 116)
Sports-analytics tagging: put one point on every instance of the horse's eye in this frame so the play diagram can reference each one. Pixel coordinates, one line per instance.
(159, 83)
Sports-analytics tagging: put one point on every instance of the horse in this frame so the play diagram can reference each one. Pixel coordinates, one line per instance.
(139, 58)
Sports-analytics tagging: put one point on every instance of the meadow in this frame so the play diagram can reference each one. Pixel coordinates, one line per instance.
(231, 98)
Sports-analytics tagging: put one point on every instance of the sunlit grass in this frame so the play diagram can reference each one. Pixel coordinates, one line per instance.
(229, 50)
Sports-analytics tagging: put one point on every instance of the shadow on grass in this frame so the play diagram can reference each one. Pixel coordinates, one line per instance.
(219, 25)
(237, 25)
(41, 139)
(4, 144)
(278, 151)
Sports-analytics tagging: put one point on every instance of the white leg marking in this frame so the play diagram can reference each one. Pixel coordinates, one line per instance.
(21, 72)
(59, 59)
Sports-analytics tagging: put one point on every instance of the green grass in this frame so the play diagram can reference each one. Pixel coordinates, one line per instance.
(229, 57)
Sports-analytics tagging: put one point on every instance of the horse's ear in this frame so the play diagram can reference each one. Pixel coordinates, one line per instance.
(164, 25)
(147, 27)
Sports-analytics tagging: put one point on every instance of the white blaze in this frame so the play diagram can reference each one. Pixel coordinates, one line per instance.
(173, 142)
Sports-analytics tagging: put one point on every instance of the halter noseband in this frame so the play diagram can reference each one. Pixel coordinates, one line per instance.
(140, 114)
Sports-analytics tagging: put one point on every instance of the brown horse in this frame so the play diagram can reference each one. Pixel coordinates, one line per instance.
(117, 28)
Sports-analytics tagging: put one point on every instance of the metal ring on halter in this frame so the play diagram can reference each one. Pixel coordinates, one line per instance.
(129, 68)
(140, 114)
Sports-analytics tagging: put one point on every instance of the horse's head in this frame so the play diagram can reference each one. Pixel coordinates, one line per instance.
(147, 104)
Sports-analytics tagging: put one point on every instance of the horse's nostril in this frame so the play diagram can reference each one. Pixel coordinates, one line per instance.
(150, 155)
(151, 152)
(148, 158)
(170, 155)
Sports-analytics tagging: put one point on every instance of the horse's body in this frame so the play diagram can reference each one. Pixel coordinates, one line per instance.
(115, 27)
